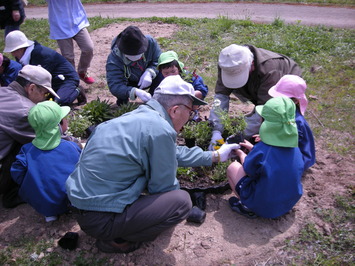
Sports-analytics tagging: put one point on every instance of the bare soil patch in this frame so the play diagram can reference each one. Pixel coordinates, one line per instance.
(225, 237)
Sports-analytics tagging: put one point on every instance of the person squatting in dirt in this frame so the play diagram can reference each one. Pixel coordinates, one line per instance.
(248, 72)
(32, 85)
(65, 79)
(294, 87)
(124, 185)
(131, 65)
(267, 180)
(169, 64)
(42, 166)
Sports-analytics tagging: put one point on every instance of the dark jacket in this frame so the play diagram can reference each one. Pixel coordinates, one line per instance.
(6, 8)
(56, 64)
(10, 73)
(122, 74)
(269, 68)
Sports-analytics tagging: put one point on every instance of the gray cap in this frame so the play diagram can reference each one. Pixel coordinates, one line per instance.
(39, 76)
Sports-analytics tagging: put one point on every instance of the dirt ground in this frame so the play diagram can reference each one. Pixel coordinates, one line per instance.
(224, 238)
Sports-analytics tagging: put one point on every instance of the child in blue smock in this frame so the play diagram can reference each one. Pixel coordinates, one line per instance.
(267, 181)
(42, 167)
(294, 87)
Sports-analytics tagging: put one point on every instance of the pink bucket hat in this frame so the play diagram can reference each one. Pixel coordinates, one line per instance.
(291, 86)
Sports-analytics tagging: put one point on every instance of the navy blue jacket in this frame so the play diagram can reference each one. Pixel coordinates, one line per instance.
(10, 73)
(56, 64)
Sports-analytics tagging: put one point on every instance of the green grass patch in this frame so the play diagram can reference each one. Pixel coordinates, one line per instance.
(325, 54)
(322, 246)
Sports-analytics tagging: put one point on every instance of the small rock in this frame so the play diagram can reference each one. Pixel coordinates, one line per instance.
(205, 245)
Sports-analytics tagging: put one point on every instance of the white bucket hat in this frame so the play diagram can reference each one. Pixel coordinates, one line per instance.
(235, 62)
(16, 40)
(39, 76)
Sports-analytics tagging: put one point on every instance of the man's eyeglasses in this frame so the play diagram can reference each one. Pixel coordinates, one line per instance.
(43, 91)
(192, 111)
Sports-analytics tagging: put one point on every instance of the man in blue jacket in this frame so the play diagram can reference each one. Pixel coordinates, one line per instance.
(125, 184)
(65, 80)
(131, 65)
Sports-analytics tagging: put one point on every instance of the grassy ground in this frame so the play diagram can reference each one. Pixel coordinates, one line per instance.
(327, 58)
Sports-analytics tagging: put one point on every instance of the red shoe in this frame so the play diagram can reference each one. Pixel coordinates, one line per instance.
(84, 77)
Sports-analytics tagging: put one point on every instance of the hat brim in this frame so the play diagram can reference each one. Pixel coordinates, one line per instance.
(274, 93)
(197, 101)
(25, 45)
(231, 80)
(259, 109)
(52, 91)
(65, 111)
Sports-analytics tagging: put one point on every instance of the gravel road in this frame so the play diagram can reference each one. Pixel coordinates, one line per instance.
(338, 17)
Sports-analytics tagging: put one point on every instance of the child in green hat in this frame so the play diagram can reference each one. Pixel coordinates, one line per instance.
(267, 181)
(42, 167)
(169, 64)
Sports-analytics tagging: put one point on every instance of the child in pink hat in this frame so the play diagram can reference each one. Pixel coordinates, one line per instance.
(294, 87)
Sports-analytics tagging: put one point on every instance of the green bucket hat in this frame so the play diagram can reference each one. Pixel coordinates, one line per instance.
(44, 118)
(168, 57)
(279, 126)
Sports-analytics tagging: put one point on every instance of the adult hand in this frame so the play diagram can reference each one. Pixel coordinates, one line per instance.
(225, 151)
(143, 95)
(146, 80)
(216, 140)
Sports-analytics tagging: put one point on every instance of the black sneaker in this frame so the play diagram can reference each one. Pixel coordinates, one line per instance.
(238, 207)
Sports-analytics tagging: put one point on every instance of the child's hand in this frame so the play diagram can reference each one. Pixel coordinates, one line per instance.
(257, 138)
(246, 144)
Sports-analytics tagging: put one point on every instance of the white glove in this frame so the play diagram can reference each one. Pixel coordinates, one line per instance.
(146, 80)
(225, 151)
(216, 140)
(143, 95)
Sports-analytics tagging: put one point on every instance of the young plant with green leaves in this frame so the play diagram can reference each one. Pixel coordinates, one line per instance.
(233, 122)
(124, 108)
(97, 111)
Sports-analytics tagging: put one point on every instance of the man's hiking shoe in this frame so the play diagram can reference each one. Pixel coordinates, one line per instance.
(111, 246)
(196, 215)
(238, 207)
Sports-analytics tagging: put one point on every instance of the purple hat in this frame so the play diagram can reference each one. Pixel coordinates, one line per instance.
(291, 86)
